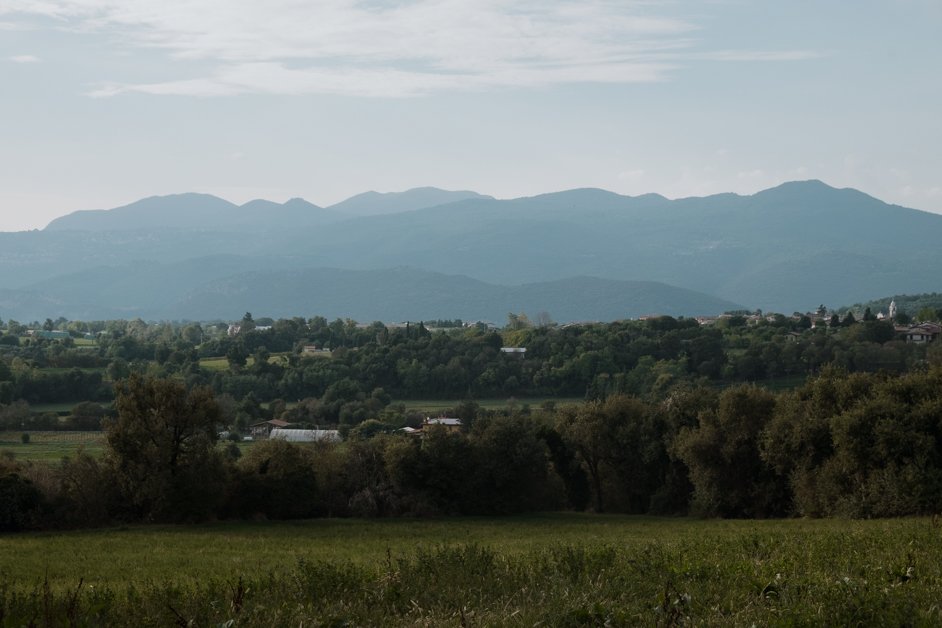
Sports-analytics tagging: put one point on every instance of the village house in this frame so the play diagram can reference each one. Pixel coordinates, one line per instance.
(922, 333)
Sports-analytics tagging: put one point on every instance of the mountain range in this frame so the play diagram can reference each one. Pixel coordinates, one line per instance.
(429, 253)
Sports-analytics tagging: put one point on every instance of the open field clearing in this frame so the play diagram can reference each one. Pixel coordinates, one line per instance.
(555, 569)
(222, 363)
(433, 405)
(64, 407)
(51, 446)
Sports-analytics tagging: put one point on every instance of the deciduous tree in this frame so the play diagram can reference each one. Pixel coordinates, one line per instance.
(162, 447)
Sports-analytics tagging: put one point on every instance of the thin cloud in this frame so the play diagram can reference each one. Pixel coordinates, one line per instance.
(384, 48)
(24, 59)
(758, 55)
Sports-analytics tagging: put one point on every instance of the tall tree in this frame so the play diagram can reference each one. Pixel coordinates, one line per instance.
(722, 453)
(162, 447)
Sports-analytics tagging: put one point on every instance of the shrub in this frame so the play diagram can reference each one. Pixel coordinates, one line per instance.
(20, 503)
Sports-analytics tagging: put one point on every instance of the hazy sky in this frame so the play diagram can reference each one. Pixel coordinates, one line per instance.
(107, 101)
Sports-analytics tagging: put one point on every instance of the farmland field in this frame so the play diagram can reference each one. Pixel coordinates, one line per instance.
(51, 446)
(222, 363)
(63, 407)
(435, 405)
(553, 569)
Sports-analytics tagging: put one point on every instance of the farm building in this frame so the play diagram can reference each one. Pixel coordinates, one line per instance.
(305, 436)
(263, 429)
(449, 423)
(48, 335)
(519, 351)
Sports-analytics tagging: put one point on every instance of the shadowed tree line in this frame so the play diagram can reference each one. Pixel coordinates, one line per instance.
(854, 445)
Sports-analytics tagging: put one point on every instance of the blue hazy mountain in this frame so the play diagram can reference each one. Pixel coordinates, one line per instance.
(787, 248)
(376, 203)
(196, 212)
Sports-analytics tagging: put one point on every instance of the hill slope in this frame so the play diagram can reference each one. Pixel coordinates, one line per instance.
(410, 294)
(226, 286)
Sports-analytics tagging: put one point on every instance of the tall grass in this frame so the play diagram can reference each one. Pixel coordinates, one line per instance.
(675, 573)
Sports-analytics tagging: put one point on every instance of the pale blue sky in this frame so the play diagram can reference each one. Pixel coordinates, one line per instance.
(107, 101)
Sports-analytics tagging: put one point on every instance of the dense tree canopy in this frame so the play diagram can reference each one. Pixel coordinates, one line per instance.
(162, 447)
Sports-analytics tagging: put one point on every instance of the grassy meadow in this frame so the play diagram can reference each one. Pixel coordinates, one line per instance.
(61, 408)
(222, 363)
(553, 569)
(497, 403)
(50, 446)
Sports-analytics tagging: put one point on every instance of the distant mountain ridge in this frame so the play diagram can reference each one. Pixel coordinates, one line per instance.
(202, 212)
(205, 212)
(787, 248)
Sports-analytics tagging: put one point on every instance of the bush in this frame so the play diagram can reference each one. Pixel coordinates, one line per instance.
(20, 503)
(276, 479)
(24, 438)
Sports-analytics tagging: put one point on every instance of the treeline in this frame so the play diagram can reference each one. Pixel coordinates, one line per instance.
(644, 358)
(298, 359)
(848, 445)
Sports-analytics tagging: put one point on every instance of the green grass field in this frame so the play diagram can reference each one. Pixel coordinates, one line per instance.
(51, 446)
(214, 364)
(62, 408)
(553, 569)
(437, 405)
(222, 363)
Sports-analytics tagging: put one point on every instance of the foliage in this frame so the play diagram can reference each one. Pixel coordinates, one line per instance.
(678, 417)
(277, 479)
(730, 478)
(162, 447)
(20, 502)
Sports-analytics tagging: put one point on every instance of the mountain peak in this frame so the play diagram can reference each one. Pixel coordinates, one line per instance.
(815, 193)
(375, 203)
(190, 211)
(168, 211)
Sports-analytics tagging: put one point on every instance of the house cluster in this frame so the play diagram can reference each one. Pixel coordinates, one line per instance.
(281, 430)
(450, 424)
(920, 333)
(47, 334)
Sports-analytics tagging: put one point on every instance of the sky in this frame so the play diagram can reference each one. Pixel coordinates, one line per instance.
(104, 102)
